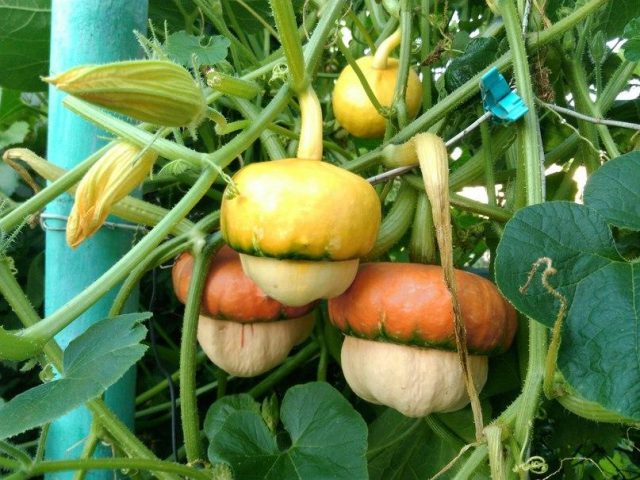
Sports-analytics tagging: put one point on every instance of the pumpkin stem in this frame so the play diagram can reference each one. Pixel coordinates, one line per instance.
(385, 48)
(434, 165)
(310, 146)
(400, 154)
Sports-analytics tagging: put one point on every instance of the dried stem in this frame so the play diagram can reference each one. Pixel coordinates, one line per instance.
(434, 164)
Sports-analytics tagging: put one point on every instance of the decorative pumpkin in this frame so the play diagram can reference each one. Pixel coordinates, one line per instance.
(400, 346)
(301, 225)
(351, 105)
(241, 329)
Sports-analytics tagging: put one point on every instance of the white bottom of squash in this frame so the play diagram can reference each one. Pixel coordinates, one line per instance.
(415, 381)
(249, 349)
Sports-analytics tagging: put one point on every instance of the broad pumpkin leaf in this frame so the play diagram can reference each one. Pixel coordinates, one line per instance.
(327, 438)
(220, 411)
(92, 362)
(406, 448)
(613, 191)
(24, 43)
(599, 350)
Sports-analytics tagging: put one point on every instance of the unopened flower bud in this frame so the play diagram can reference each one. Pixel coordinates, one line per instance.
(154, 91)
(120, 170)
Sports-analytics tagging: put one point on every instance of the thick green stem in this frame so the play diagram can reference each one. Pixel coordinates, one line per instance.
(425, 34)
(583, 101)
(400, 91)
(118, 464)
(269, 140)
(315, 47)
(493, 434)
(233, 86)
(188, 348)
(588, 153)
(489, 177)
(288, 30)
(9, 463)
(21, 457)
(529, 149)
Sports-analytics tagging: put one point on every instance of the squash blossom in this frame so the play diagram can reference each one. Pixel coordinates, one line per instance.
(121, 169)
(155, 91)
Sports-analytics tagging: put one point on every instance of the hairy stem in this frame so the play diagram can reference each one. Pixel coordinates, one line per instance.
(189, 402)
(529, 149)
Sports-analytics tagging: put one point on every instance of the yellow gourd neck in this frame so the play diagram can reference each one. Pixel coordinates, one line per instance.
(310, 146)
(385, 48)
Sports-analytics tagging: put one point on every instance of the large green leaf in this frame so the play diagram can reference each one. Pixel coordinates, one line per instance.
(328, 438)
(406, 448)
(599, 353)
(614, 192)
(92, 362)
(24, 43)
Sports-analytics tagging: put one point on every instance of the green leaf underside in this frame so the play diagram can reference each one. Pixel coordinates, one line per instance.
(600, 353)
(328, 437)
(614, 191)
(24, 43)
(399, 449)
(92, 362)
(480, 52)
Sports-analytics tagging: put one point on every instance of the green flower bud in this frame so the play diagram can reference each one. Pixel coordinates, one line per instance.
(154, 91)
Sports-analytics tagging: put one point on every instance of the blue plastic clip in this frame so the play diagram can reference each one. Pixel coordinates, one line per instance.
(504, 104)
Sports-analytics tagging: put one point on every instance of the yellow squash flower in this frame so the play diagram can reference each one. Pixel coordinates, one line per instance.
(120, 170)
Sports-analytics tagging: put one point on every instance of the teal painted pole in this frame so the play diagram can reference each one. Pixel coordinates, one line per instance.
(84, 32)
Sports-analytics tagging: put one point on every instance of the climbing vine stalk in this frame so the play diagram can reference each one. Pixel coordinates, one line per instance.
(530, 151)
